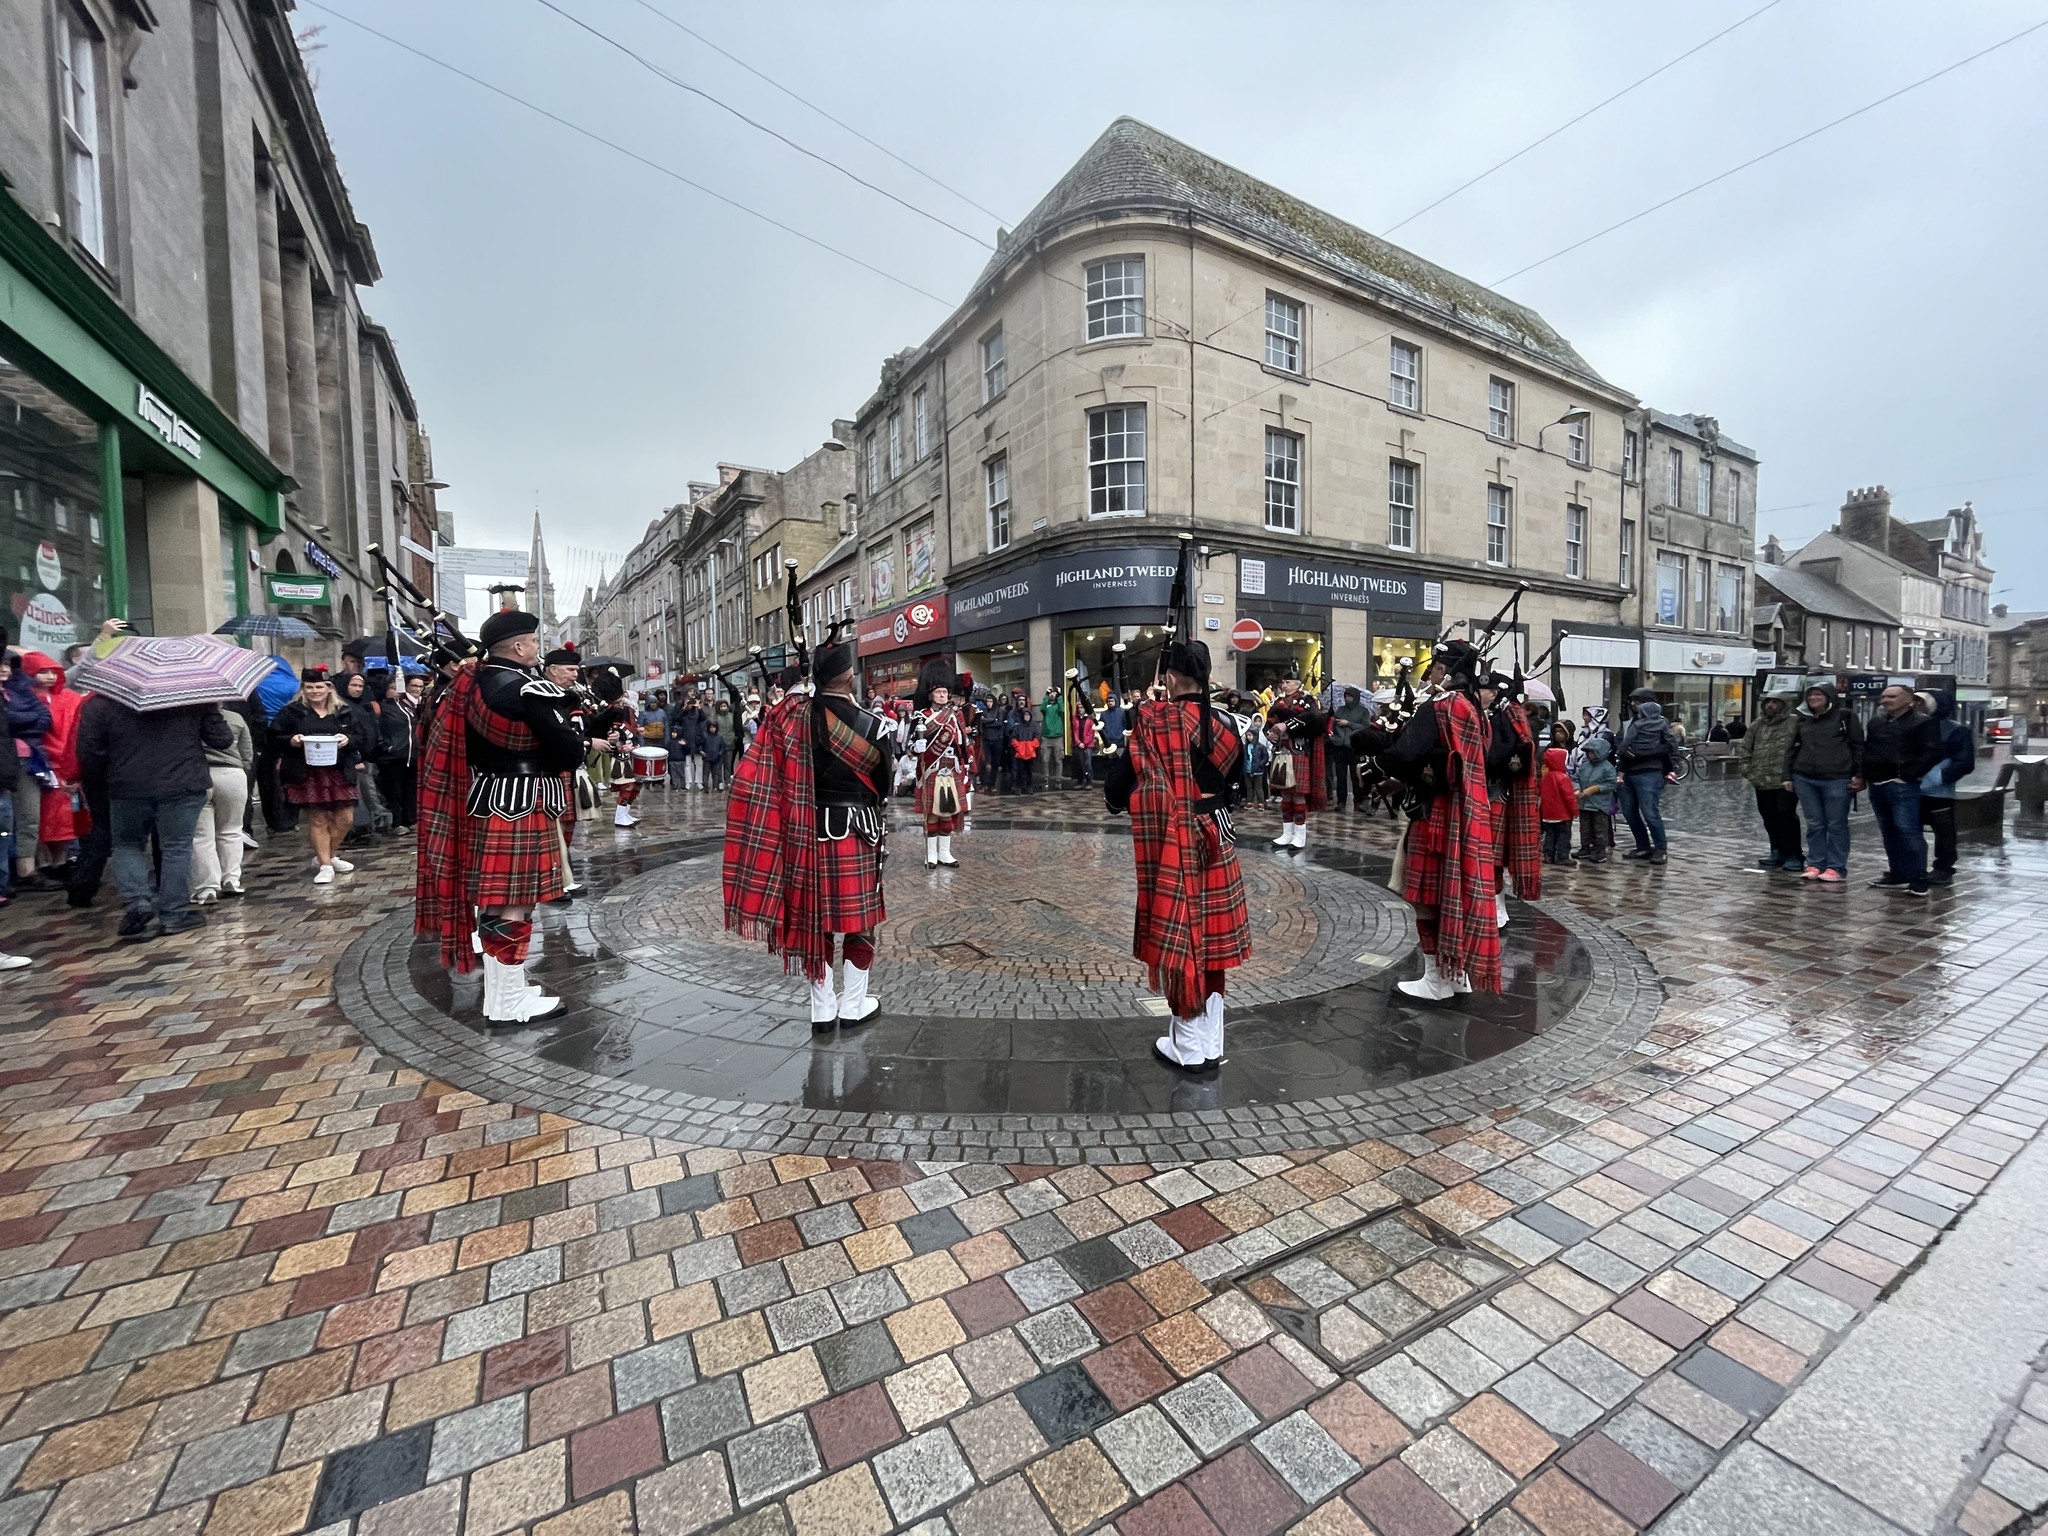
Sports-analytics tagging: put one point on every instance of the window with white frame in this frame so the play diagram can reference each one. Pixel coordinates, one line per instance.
(1116, 297)
(920, 424)
(993, 374)
(1705, 484)
(1670, 588)
(1403, 479)
(1284, 325)
(1404, 376)
(1631, 445)
(996, 475)
(1734, 495)
(895, 444)
(78, 82)
(1674, 480)
(1576, 435)
(1728, 599)
(1575, 541)
(1283, 481)
(1500, 409)
(1702, 590)
(1116, 461)
(1628, 552)
(872, 454)
(1499, 509)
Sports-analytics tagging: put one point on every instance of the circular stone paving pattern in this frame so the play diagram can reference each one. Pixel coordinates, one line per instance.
(1030, 926)
(674, 1030)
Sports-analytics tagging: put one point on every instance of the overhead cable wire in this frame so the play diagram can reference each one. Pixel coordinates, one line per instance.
(760, 127)
(1574, 122)
(1870, 106)
(838, 122)
(612, 144)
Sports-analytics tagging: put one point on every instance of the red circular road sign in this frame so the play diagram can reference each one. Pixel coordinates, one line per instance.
(1247, 635)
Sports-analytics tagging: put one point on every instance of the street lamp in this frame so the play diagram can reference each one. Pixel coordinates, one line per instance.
(1574, 416)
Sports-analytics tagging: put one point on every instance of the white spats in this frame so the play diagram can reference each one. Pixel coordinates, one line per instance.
(509, 1000)
(824, 1002)
(855, 1006)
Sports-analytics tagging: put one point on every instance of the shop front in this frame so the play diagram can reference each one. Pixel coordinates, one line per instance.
(1094, 600)
(124, 490)
(1310, 611)
(896, 645)
(1699, 683)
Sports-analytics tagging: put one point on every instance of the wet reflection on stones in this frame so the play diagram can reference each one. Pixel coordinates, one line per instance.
(645, 1015)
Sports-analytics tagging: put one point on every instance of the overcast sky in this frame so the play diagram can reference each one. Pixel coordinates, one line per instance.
(585, 332)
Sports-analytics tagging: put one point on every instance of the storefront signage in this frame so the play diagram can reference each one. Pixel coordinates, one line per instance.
(46, 624)
(295, 588)
(167, 423)
(1095, 578)
(1672, 656)
(1317, 585)
(917, 622)
(322, 560)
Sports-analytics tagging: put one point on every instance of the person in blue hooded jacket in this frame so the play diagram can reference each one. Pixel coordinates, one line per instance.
(1938, 784)
(276, 690)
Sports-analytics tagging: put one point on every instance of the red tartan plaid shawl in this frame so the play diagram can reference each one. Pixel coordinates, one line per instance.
(1317, 790)
(1181, 857)
(771, 867)
(1520, 845)
(1453, 855)
(446, 846)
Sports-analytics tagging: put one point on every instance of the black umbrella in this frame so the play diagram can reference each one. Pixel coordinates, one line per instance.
(379, 645)
(604, 661)
(279, 626)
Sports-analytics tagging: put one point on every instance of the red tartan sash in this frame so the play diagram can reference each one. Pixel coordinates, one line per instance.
(441, 905)
(1468, 940)
(1177, 851)
(771, 840)
(1521, 836)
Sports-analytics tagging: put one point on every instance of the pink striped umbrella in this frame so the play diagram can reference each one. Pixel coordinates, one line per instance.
(171, 671)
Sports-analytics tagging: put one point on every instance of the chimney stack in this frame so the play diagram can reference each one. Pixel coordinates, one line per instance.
(1867, 518)
(1774, 552)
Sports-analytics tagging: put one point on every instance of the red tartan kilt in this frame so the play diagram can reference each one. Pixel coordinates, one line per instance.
(1220, 912)
(1422, 881)
(942, 826)
(849, 886)
(517, 863)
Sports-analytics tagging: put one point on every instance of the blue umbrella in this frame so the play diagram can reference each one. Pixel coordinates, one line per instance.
(280, 626)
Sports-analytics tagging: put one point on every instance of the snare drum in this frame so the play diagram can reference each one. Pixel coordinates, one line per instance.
(650, 762)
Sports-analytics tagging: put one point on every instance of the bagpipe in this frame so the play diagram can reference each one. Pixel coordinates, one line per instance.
(442, 632)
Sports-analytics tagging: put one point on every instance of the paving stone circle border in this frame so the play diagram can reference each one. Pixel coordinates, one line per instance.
(1609, 1023)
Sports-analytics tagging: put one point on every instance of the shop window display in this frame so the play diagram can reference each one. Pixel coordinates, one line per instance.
(52, 535)
(1388, 651)
(1284, 650)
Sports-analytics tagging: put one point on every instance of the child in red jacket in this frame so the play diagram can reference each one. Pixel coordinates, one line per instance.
(1559, 807)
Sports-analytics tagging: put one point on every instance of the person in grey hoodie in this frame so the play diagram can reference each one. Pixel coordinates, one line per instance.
(1824, 767)
(1938, 787)
(1647, 756)
(1595, 781)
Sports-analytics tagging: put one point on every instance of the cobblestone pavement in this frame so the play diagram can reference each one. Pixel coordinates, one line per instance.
(257, 1279)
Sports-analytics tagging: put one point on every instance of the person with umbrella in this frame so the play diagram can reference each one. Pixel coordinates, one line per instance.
(322, 747)
(153, 713)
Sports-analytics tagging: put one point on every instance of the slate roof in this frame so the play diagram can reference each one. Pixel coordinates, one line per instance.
(1687, 425)
(2012, 621)
(1816, 594)
(1136, 167)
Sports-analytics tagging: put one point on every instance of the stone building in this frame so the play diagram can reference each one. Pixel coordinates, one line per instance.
(804, 512)
(200, 418)
(1808, 622)
(1698, 501)
(1368, 449)
(636, 612)
(2018, 666)
(1958, 546)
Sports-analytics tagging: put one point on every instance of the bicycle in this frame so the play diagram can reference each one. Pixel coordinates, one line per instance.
(1684, 763)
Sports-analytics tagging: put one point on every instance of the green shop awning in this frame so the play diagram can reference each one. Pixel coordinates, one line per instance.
(56, 321)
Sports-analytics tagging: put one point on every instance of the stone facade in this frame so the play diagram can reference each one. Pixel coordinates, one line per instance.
(2018, 665)
(197, 189)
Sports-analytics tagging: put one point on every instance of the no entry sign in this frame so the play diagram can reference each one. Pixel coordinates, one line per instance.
(1247, 635)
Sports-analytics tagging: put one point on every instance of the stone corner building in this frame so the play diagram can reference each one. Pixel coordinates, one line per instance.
(1371, 448)
(196, 416)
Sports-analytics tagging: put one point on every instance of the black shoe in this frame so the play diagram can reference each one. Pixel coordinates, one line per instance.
(79, 898)
(1769, 861)
(134, 924)
(1917, 888)
(1637, 853)
(1884, 881)
(1942, 877)
(1660, 857)
(183, 924)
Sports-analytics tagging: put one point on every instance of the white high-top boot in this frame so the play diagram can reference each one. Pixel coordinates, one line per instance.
(855, 1006)
(1212, 1019)
(931, 852)
(946, 859)
(1500, 909)
(1301, 834)
(1432, 986)
(1185, 1043)
(824, 1005)
(509, 1000)
(1286, 837)
(622, 816)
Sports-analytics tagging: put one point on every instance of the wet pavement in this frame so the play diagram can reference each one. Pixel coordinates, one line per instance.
(258, 1276)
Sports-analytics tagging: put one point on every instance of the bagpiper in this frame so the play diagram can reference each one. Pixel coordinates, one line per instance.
(1447, 856)
(1511, 789)
(943, 742)
(1296, 725)
(614, 729)
(805, 836)
(491, 796)
(1181, 779)
(564, 668)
